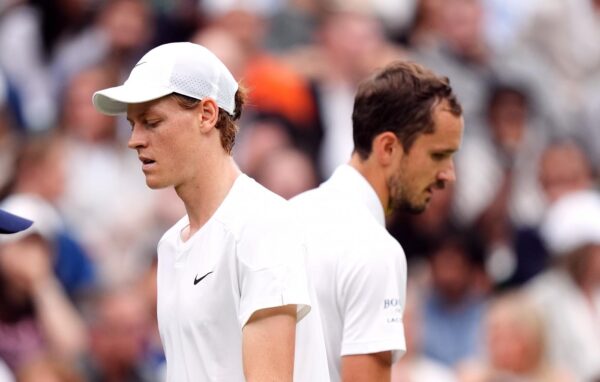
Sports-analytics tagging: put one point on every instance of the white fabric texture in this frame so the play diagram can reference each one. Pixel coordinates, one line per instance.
(247, 257)
(358, 269)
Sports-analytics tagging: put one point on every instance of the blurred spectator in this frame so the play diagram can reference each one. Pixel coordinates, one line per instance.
(415, 366)
(454, 303)
(497, 192)
(120, 33)
(589, 134)
(564, 168)
(278, 91)
(568, 293)
(119, 330)
(36, 188)
(23, 60)
(294, 25)
(563, 35)
(258, 139)
(505, 19)
(9, 137)
(516, 345)
(224, 44)
(97, 161)
(47, 368)
(35, 314)
(456, 46)
(146, 290)
(261, 8)
(500, 163)
(426, 26)
(287, 172)
(175, 20)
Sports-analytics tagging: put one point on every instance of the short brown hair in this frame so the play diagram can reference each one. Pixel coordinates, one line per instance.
(399, 98)
(225, 122)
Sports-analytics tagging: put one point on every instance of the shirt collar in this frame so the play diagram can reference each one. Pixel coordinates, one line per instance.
(352, 183)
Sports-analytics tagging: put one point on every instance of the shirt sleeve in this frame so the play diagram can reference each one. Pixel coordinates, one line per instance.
(271, 267)
(372, 292)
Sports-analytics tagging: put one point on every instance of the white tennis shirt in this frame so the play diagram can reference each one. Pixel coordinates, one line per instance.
(358, 269)
(247, 257)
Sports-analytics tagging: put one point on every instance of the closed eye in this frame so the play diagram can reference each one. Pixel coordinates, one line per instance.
(152, 124)
(440, 156)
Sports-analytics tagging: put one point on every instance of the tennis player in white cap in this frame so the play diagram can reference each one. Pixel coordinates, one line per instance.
(232, 286)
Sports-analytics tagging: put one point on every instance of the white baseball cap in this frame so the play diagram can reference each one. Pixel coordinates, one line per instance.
(181, 67)
(572, 222)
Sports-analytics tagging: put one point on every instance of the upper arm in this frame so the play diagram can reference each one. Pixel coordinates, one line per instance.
(374, 367)
(268, 343)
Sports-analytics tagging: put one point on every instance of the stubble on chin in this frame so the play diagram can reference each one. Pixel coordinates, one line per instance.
(399, 200)
(413, 208)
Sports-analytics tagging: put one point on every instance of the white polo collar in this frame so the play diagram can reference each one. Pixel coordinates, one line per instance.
(349, 182)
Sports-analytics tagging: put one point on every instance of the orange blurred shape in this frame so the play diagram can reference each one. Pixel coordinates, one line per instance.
(276, 88)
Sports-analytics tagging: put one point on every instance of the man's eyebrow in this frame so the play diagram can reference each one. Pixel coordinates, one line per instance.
(139, 115)
(446, 151)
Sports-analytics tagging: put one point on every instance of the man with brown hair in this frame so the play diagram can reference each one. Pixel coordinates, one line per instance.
(231, 276)
(407, 125)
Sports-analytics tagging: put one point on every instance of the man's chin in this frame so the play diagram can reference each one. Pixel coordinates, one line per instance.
(413, 208)
(154, 185)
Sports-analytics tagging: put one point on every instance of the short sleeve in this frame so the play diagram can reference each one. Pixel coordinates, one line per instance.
(271, 267)
(372, 292)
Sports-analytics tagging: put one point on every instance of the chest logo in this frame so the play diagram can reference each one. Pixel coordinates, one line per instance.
(197, 280)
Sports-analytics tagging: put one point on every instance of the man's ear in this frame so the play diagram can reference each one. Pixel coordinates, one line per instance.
(386, 148)
(208, 114)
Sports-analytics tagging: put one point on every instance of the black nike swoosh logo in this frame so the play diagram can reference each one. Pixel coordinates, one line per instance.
(197, 280)
(140, 63)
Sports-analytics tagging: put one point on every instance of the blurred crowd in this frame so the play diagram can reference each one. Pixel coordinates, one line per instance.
(504, 267)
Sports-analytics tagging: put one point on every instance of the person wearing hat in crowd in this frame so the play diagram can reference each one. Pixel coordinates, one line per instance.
(233, 296)
(407, 124)
(36, 315)
(568, 292)
(9, 224)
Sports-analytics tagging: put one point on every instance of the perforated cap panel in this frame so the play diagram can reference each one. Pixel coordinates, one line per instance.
(182, 67)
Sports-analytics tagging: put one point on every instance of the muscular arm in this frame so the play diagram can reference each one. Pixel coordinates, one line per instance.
(268, 343)
(375, 367)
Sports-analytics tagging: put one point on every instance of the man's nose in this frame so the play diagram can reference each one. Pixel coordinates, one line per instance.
(448, 175)
(136, 139)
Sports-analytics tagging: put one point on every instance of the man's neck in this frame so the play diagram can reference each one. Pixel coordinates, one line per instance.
(374, 175)
(204, 194)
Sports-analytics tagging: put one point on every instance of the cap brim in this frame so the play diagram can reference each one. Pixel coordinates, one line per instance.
(10, 223)
(114, 101)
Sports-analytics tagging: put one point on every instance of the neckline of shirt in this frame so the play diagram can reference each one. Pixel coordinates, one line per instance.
(185, 221)
(357, 186)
